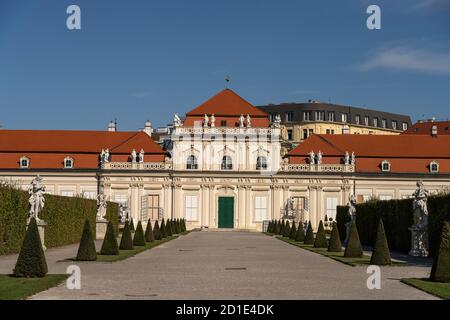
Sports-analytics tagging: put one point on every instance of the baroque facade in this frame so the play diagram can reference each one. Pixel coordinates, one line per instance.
(224, 167)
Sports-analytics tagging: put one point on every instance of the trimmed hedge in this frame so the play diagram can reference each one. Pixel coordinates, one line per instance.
(397, 217)
(65, 218)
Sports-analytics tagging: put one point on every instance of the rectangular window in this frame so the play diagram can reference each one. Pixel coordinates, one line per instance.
(306, 116)
(358, 119)
(366, 121)
(383, 123)
(67, 193)
(191, 208)
(330, 131)
(153, 207)
(405, 126)
(289, 116)
(260, 208)
(89, 194)
(305, 134)
(320, 115)
(394, 124)
(289, 135)
(330, 116)
(344, 117)
(375, 122)
(331, 207)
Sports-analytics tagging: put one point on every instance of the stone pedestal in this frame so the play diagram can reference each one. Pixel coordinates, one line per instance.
(41, 228)
(419, 242)
(348, 225)
(100, 229)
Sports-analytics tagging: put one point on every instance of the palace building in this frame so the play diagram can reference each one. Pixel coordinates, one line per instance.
(224, 167)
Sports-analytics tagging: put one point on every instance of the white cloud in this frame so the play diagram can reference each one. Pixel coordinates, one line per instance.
(407, 58)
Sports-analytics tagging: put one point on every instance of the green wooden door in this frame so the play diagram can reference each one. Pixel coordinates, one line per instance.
(226, 212)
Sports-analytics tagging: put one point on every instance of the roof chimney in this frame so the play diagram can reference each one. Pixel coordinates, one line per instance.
(148, 128)
(434, 130)
(112, 126)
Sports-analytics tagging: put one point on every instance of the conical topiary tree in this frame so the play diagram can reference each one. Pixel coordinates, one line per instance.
(277, 227)
(139, 238)
(380, 254)
(184, 225)
(287, 230)
(169, 228)
(162, 229)
(353, 249)
(31, 262)
(157, 231)
(335, 244)
(179, 226)
(283, 227)
(300, 235)
(441, 264)
(321, 238)
(149, 236)
(126, 242)
(132, 225)
(293, 232)
(86, 249)
(309, 236)
(110, 246)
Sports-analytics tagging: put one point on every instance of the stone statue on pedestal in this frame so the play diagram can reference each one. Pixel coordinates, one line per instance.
(277, 121)
(312, 157)
(123, 212)
(205, 121)
(36, 200)
(241, 121)
(213, 121)
(319, 157)
(346, 158)
(352, 159)
(133, 156)
(101, 207)
(419, 231)
(176, 121)
(351, 214)
(248, 121)
(141, 156)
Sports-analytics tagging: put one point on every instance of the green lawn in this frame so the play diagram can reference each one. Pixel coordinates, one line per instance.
(12, 288)
(338, 256)
(438, 289)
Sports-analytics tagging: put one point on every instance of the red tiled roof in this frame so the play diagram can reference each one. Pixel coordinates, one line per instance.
(406, 153)
(48, 148)
(228, 106)
(443, 127)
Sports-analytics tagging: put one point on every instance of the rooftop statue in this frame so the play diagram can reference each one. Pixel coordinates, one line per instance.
(248, 121)
(319, 157)
(312, 157)
(133, 156)
(176, 120)
(141, 156)
(241, 121)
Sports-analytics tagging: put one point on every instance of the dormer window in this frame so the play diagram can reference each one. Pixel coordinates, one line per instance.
(434, 167)
(68, 163)
(24, 162)
(261, 163)
(385, 166)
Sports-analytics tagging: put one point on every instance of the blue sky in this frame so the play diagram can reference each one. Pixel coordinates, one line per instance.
(136, 60)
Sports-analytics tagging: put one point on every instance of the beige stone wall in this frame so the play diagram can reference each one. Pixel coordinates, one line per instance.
(318, 190)
(323, 126)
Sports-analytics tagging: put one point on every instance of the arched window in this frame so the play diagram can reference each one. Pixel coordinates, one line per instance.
(434, 167)
(191, 162)
(385, 166)
(24, 162)
(227, 164)
(261, 163)
(68, 163)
